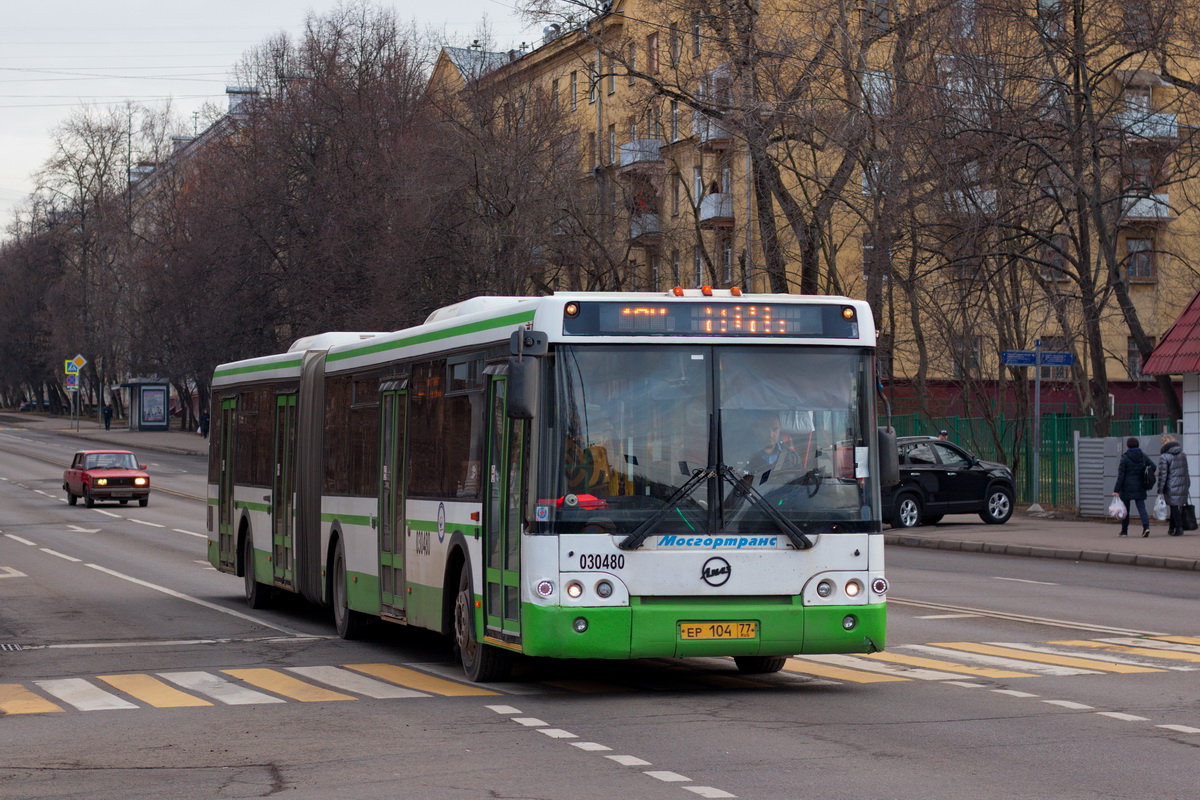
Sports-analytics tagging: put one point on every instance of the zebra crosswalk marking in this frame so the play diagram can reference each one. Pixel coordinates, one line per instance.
(16, 699)
(218, 688)
(275, 681)
(861, 662)
(353, 682)
(806, 667)
(150, 689)
(1016, 664)
(1178, 639)
(420, 681)
(948, 666)
(1152, 652)
(1045, 658)
(84, 695)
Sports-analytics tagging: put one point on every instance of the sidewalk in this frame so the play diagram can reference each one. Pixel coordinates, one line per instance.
(1042, 535)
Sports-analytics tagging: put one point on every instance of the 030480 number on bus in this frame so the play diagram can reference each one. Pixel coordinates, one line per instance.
(602, 561)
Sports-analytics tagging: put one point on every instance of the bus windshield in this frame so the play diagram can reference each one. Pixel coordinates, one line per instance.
(703, 439)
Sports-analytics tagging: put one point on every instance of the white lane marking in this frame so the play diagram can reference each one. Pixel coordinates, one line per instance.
(83, 695)
(850, 662)
(190, 533)
(528, 722)
(9, 572)
(107, 513)
(1179, 728)
(16, 538)
(504, 709)
(667, 776)
(591, 747)
(967, 684)
(1057, 623)
(630, 761)
(1025, 580)
(1123, 717)
(197, 601)
(557, 733)
(355, 682)
(1013, 693)
(78, 529)
(948, 616)
(998, 661)
(218, 688)
(1069, 704)
(1093, 655)
(60, 555)
(47, 494)
(1148, 643)
(708, 791)
(143, 522)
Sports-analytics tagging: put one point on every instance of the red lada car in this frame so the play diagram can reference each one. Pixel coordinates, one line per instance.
(106, 475)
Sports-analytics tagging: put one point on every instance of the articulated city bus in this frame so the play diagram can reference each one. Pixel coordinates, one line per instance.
(582, 475)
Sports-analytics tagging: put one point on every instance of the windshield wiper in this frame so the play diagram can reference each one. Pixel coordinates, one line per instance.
(745, 489)
(635, 539)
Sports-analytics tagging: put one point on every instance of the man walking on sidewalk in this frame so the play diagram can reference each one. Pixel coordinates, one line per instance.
(1131, 484)
(107, 416)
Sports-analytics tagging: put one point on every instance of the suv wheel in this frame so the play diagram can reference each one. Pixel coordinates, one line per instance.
(908, 512)
(999, 506)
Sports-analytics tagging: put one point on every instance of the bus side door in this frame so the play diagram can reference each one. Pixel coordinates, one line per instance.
(283, 490)
(393, 424)
(502, 517)
(227, 546)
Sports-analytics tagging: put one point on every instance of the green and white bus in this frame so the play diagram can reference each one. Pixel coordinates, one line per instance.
(581, 475)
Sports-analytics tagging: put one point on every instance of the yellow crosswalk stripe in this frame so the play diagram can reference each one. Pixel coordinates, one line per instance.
(1042, 658)
(16, 699)
(838, 673)
(279, 683)
(1176, 639)
(150, 689)
(420, 680)
(947, 666)
(1154, 652)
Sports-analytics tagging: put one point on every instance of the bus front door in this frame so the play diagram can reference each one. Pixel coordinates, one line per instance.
(227, 546)
(283, 494)
(502, 518)
(393, 408)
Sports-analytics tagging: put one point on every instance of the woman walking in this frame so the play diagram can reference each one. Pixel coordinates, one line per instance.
(1173, 483)
(1131, 486)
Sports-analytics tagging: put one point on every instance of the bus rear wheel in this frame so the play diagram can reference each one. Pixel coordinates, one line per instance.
(258, 595)
(759, 665)
(481, 662)
(350, 624)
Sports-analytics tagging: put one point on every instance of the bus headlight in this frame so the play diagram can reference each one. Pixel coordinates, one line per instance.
(853, 588)
(545, 588)
(824, 589)
(604, 589)
(574, 590)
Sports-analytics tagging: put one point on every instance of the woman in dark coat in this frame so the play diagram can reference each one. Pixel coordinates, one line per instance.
(1129, 485)
(1174, 483)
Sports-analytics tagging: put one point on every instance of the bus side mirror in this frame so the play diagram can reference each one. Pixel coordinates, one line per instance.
(889, 457)
(522, 390)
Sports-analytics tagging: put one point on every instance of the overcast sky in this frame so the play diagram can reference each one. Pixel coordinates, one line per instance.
(58, 55)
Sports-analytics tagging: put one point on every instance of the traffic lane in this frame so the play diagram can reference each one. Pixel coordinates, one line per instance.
(434, 749)
(903, 739)
(1100, 595)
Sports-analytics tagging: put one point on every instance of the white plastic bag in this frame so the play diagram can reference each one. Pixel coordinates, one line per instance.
(1116, 509)
(1160, 509)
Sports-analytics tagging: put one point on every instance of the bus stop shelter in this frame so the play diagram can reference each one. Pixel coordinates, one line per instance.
(148, 404)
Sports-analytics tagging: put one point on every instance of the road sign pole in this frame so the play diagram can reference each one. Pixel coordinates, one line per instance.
(1037, 425)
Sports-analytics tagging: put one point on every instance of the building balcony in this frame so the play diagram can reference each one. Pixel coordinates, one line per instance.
(716, 210)
(644, 228)
(711, 133)
(1155, 207)
(1147, 125)
(640, 154)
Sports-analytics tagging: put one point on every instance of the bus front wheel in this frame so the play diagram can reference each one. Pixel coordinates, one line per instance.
(481, 662)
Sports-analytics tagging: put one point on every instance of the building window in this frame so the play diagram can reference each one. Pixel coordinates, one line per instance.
(594, 81)
(554, 94)
(574, 90)
(655, 278)
(632, 58)
(675, 267)
(652, 53)
(676, 191)
(877, 15)
(698, 265)
(726, 178)
(1139, 259)
(612, 77)
(591, 149)
(1137, 99)
(967, 352)
(674, 120)
(1133, 358)
(612, 144)
(1055, 344)
(675, 45)
(696, 37)
(1054, 264)
(727, 259)
(697, 186)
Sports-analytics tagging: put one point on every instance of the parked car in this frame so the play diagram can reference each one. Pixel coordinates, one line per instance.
(106, 475)
(28, 405)
(939, 478)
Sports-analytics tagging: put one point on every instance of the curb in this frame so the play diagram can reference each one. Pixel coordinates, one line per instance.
(158, 448)
(1030, 551)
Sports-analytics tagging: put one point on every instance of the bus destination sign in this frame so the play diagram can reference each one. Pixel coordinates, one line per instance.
(815, 321)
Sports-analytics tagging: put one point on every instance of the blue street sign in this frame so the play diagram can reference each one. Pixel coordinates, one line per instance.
(1017, 358)
(1058, 359)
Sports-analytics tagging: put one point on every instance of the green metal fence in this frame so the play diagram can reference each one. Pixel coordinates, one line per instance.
(1010, 441)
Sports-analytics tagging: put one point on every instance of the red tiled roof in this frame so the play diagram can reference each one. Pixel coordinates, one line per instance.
(1179, 350)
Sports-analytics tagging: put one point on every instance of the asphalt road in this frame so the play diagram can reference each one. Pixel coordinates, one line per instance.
(142, 674)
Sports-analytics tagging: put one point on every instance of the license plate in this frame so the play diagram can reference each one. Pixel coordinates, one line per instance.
(692, 631)
(120, 494)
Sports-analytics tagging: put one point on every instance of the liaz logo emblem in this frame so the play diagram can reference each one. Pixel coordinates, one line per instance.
(715, 571)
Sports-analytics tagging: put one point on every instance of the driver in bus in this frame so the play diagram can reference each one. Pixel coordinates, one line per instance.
(775, 447)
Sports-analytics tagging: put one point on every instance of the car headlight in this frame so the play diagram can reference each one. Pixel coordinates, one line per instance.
(102, 481)
(140, 481)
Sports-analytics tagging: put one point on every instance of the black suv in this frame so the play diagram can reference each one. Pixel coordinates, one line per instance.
(939, 478)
